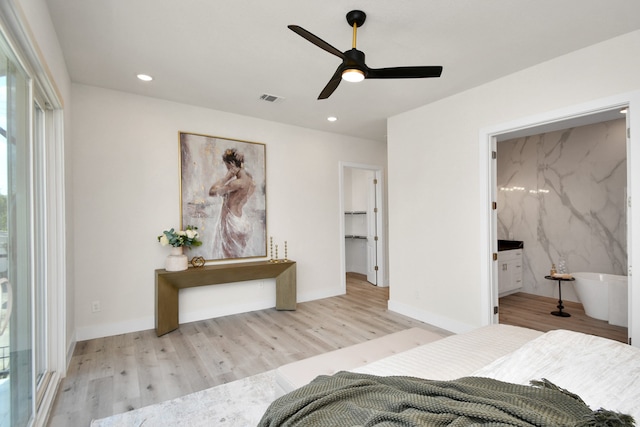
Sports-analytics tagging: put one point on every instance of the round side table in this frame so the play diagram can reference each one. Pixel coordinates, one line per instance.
(560, 313)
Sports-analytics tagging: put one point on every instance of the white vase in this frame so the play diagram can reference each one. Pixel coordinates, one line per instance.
(176, 260)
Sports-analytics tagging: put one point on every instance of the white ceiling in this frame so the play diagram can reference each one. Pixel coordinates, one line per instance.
(224, 55)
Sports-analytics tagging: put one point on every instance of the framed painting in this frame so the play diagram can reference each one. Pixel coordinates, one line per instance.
(223, 193)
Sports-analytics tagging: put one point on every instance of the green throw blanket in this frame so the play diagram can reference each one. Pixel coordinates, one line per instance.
(349, 399)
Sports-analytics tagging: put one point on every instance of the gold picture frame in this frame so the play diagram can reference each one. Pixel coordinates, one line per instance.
(223, 193)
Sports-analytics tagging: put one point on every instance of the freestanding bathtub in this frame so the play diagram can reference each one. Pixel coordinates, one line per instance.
(604, 296)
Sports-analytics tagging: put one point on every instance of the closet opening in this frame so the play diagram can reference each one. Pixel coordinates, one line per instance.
(362, 233)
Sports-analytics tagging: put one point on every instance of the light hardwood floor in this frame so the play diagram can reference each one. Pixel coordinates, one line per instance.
(533, 311)
(124, 372)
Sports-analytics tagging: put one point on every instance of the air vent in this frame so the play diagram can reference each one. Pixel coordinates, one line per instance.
(270, 98)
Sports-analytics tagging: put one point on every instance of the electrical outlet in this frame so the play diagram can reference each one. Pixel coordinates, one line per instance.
(95, 306)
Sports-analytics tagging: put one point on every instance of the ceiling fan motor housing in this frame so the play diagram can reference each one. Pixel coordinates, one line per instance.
(354, 58)
(356, 17)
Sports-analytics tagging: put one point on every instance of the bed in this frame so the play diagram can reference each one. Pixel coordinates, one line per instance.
(577, 375)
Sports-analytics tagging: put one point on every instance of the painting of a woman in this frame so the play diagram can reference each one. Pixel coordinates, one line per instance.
(235, 188)
(223, 193)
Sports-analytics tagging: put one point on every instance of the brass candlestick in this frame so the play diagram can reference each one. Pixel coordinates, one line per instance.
(271, 249)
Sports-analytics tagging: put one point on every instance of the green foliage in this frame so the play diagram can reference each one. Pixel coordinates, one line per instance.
(185, 238)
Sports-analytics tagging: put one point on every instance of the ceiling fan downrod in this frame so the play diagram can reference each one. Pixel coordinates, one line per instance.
(356, 19)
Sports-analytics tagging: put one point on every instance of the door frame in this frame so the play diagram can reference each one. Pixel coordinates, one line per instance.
(43, 87)
(553, 120)
(380, 218)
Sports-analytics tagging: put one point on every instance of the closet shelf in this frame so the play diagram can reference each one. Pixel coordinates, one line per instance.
(355, 213)
(351, 236)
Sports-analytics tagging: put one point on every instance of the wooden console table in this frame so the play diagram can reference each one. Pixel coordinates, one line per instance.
(168, 283)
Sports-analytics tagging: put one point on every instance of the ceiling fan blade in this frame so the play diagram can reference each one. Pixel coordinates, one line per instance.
(332, 85)
(316, 40)
(404, 72)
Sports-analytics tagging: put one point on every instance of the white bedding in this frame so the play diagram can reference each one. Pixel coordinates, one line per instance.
(454, 356)
(604, 373)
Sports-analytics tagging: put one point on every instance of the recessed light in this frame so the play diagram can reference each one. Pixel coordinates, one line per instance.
(145, 77)
(623, 111)
(332, 118)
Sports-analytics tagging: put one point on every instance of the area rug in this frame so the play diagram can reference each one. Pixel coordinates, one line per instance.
(239, 403)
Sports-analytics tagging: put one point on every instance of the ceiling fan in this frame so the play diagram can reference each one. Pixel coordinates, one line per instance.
(353, 67)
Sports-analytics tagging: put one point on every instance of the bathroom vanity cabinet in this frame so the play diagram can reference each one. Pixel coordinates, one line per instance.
(509, 271)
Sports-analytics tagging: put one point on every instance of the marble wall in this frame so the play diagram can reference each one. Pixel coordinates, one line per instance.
(563, 193)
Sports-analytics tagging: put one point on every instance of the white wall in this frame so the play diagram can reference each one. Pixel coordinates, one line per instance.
(126, 191)
(435, 194)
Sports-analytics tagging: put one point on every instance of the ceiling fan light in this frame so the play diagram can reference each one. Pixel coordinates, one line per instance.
(353, 75)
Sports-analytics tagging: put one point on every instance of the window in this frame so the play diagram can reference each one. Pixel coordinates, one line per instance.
(32, 232)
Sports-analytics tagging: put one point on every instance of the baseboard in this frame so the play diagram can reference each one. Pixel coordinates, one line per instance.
(194, 316)
(312, 296)
(430, 318)
(115, 328)
(141, 324)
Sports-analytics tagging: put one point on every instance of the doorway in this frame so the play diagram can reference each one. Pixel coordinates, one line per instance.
(361, 222)
(561, 199)
(569, 117)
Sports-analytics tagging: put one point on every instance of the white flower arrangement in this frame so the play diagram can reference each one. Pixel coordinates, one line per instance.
(187, 237)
